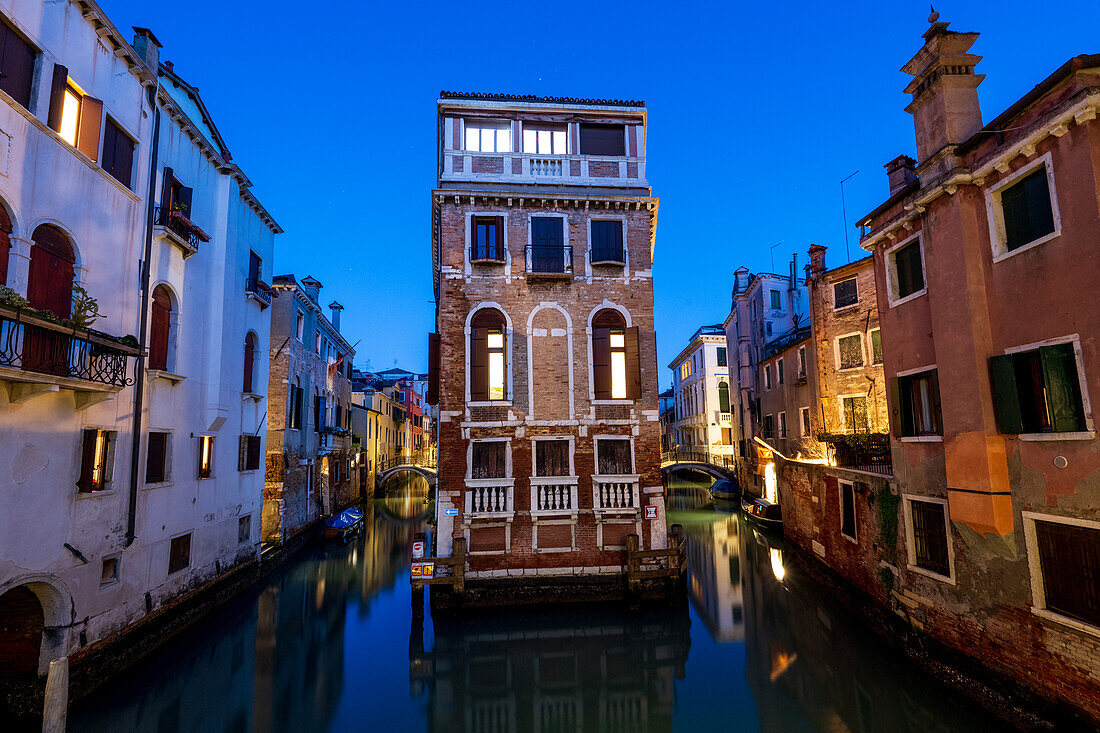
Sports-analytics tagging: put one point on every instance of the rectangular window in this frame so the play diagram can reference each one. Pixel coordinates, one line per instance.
(801, 362)
(496, 364)
(908, 269)
(488, 238)
(488, 136)
(613, 456)
(602, 139)
(848, 510)
(767, 376)
(721, 355)
(547, 253)
(1069, 563)
(248, 458)
(782, 425)
(777, 300)
(769, 426)
(1038, 391)
(804, 418)
(930, 536)
(850, 351)
(156, 459)
(244, 529)
(544, 139)
(16, 64)
(552, 457)
(76, 117)
(97, 460)
(854, 410)
(179, 554)
(876, 346)
(919, 402)
(607, 242)
(845, 294)
(488, 459)
(117, 156)
(779, 371)
(206, 456)
(1027, 211)
(108, 573)
(300, 326)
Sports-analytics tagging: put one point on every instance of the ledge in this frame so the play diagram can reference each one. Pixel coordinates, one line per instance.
(169, 236)
(165, 375)
(548, 275)
(1049, 437)
(245, 396)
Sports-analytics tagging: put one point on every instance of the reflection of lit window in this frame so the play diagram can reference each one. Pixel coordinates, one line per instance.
(70, 115)
(496, 365)
(777, 564)
(618, 365)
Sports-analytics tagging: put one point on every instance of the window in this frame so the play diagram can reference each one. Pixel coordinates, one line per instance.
(769, 426)
(16, 64)
(801, 362)
(1068, 559)
(616, 370)
(156, 458)
(607, 242)
(876, 346)
(488, 238)
(255, 270)
(905, 270)
(249, 361)
(244, 529)
(552, 457)
(317, 346)
(930, 550)
(489, 136)
(853, 411)
(845, 294)
(73, 115)
(544, 139)
(248, 457)
(720, 354)
(300, 326)
(848, 510)
(613, 457)
(850, 351)
(804, 419)
(318, 412)
(297, 395)
(117, 156)
(777, 300)
(602, 139)
(179, 555)
(767, 376)
(488, 360)
(160, 328)
(768, 327)
(723, 397)
(97, 460)
(206, 456)
(547, 252)
(1038, 391)
(779, 371)
(782, 425)
(108, 573)
(1026, 210)
(50, 285)
(919, 404)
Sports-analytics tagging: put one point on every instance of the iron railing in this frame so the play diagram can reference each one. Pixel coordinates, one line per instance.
(37, 345)
(423, 460)
(487, 253)
(549, 259)
(687, 456)
(870, 453)
(178, 224)
(258, 288)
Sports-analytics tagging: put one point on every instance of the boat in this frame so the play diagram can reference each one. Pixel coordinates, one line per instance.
(762, 511)
(344, 524)
(725, 490)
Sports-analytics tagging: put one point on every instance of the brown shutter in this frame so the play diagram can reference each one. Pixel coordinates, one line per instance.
(87, 461)
(154, 460)
(249, 360)
(433, 369)
(1006, 399)
(87, 131)
(499, 252)
(242, 453)
(633, 365)
(479, 364)
(601, 363)
(894, 406)
(158, 332)
(936, 411)
(166, 190)
(57, 97)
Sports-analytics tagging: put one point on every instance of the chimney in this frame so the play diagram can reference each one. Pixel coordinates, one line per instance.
(945, 91)
(793, 285)
(817, 259)
(312, 288)
(901, 171)
(147, 47)
(336, 308)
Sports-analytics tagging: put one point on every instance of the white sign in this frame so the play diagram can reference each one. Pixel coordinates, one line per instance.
(418, 549)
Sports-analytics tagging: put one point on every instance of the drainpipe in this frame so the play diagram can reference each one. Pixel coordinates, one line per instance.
(139, 366)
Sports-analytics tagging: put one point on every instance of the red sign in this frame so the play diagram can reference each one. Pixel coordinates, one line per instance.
(418, 550)
(651, 512)
(423, 570)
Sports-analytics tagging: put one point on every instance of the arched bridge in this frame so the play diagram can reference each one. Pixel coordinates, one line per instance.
(713, 464)
(419, 464)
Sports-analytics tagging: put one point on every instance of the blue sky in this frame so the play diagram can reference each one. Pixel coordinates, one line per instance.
(755, 114)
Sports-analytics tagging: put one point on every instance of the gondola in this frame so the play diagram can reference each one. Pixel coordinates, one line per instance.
(343, 525)
(762, 511)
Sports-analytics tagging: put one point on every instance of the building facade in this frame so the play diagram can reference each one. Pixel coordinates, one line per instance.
(787, 395)
(701, 386)
(543, 236)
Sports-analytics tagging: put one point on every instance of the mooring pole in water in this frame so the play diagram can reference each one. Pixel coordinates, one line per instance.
(56, 707)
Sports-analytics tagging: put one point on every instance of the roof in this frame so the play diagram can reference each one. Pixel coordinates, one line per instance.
(785, 341)
(499, 97)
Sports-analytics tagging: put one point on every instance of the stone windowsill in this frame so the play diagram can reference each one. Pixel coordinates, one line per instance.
(165, 375)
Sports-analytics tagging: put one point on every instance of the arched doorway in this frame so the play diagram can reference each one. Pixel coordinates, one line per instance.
(21, 623)
(160, 326)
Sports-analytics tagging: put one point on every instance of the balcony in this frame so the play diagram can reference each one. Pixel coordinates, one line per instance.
(553, 495)
(549, 261)
(259, 291)
(489, 498)
(531, 168)
(333, 440)
(611, 494)
(724, 419)
(174, 226)
(38, 355)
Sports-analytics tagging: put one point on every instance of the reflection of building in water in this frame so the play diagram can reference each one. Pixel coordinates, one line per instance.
(714, 558)
(812, 666)
(382, 549)
(576, 669)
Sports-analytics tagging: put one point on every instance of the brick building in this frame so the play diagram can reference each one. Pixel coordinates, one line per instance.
(543, 234)
(786, 399)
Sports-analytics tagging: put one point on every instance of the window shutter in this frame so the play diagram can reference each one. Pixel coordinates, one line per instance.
(88, 128)
(57, 97)
(894, 397)
(166, 189)
(479, 364)
(242, 453)
(937, 414)
(154, 459)
(601, 363)
(87, 461)
(158, 333)
(1006, 398)
(633, 365)
(433, 369)
(1063, 391)
(16, 66)
(498, 252)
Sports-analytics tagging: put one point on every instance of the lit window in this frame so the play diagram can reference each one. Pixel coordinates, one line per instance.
(496, 365)
(615, 371)
(544, 142)
(618, 366)
(97, 461)
(206, 456)
(70, 115)
(489, 137)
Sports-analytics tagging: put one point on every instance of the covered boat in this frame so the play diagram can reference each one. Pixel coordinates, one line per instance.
(725, 490)
(768, 514)
(344, 524)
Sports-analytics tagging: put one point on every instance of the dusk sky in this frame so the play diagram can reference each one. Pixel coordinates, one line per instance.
(756, 112)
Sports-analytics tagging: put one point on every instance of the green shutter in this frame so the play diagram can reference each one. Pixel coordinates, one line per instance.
(1006, 398)
(894, 397)
(1063, 392)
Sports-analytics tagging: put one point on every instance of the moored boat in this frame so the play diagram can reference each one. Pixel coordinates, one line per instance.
(344, 524)
(725, 490)
(760, 510)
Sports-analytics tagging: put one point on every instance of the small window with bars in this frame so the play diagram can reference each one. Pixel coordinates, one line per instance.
(930, 536)
(1069, 562)
(179, 553)
(850, 351)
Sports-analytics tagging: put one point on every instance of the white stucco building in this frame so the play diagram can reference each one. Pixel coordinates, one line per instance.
(701, 388)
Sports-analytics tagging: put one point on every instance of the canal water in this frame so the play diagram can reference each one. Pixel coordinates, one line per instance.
(332, 644)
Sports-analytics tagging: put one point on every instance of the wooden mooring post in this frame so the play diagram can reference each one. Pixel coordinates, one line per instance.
(56, 708)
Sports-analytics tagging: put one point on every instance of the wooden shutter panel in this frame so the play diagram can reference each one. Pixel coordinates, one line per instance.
(894, 399)
(57, 97)
(242, 453)
(633, 365)
(479, 364)
(1063, 390)
(88, 128)
(498, 252)
(433, 369)
(601, 363)
(1006, 398)
(158, 332)
(166, 190)
(87, 461)
(154, 459)
(936, 412)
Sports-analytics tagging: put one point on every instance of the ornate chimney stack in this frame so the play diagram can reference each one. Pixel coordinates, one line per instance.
(901, 171)
(817, 260)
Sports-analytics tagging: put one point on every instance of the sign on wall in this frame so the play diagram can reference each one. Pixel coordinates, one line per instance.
(651, 512)
(423, 569)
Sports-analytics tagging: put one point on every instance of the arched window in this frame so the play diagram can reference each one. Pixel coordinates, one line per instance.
(50, 284)
(488, 360)
(160, 328)
(23, 621)
(249, 360)
(723, 397)
(5, 244)
(616, 370)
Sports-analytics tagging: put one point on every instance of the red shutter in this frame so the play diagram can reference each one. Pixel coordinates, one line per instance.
(57, 97)
(88, 128)
(479, 364)
(499, 252)
(601, 363)
(166, 191)
(633, 365)
(5, 244)
(158, 331)
(433, 369)
(50, 285)
(249, 360)
(87, 462)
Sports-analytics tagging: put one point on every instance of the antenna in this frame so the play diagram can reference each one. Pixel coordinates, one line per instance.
(844, 214)
(771, 251)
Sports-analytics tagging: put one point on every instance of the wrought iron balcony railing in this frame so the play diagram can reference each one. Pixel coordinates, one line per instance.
(259, 290)
(550, 259)
(33, 344)
(179, 225)
(489, 254)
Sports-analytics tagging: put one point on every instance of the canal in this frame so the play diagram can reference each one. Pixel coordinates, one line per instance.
(331, 644)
